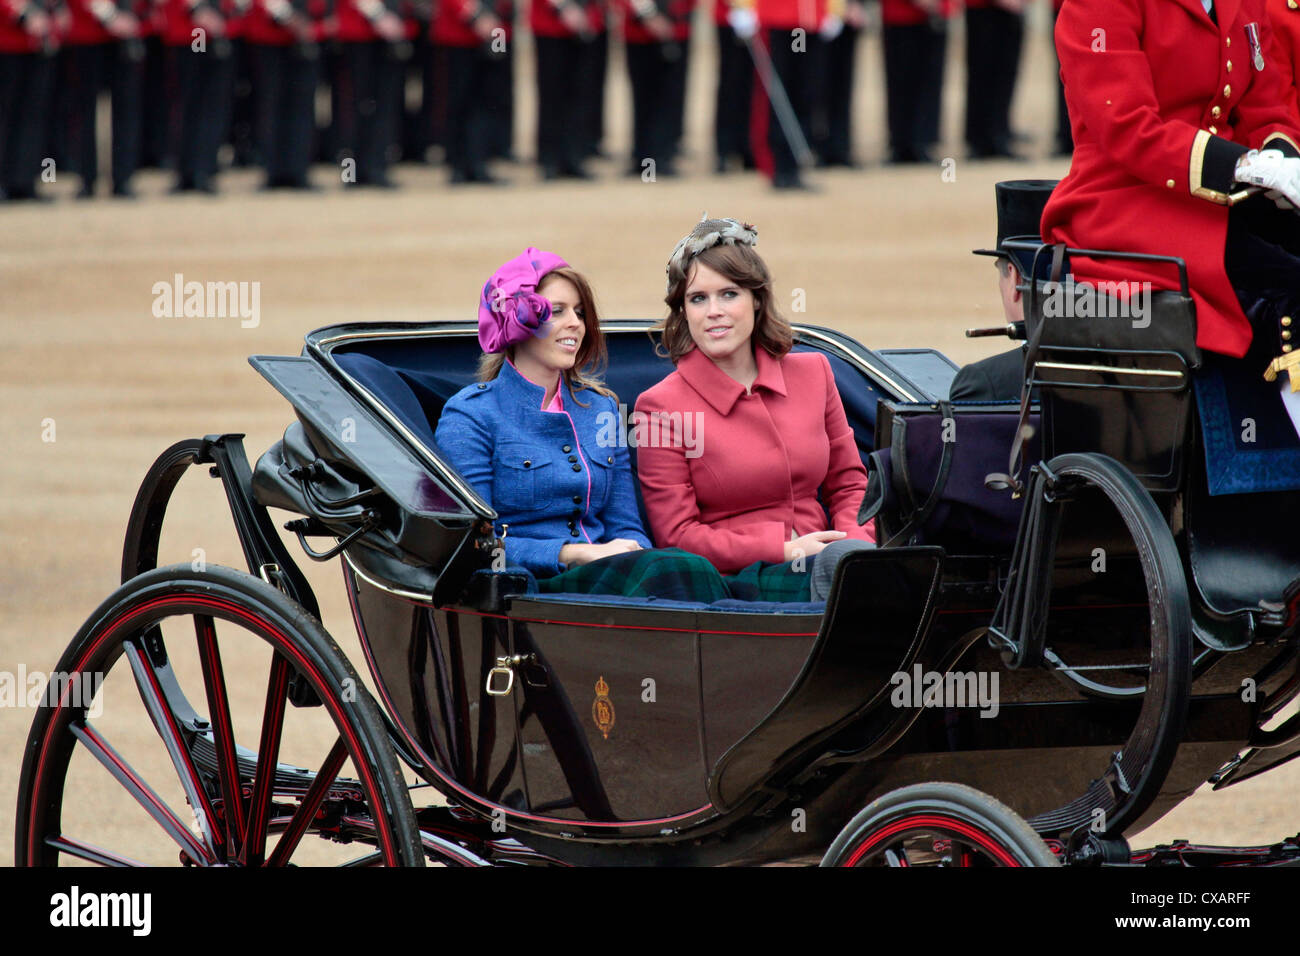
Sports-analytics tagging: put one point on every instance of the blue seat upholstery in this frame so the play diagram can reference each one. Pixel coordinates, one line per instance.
(414, 379)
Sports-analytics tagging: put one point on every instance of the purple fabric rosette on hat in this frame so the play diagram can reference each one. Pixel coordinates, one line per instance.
(510, 309)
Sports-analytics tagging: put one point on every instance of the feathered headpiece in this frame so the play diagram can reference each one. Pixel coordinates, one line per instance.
(707, 234)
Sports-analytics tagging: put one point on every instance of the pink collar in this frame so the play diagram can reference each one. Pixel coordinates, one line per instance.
(721, 390)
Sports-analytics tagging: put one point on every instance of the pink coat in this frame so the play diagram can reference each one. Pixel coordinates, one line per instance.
(758, 462)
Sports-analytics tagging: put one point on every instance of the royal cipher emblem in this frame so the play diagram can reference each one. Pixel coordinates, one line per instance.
(602, 709)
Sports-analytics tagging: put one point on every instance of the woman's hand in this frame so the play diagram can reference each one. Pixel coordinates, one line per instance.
(810, 544)
(576, 554)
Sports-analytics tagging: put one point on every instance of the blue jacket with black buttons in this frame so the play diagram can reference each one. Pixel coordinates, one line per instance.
(555, 478)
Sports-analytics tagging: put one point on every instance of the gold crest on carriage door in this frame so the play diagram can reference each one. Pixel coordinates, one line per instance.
(602, 709)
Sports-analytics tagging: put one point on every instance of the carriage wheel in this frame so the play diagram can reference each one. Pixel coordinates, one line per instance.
(234, 643)
(1155, 673)
(938, 824)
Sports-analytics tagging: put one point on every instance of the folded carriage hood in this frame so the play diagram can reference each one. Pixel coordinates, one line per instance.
(339, 450)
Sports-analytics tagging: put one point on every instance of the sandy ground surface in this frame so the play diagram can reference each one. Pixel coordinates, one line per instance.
(883, 254)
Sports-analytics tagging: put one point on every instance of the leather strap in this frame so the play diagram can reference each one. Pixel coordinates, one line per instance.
(998, 481)
(921, 514)
(875, 497)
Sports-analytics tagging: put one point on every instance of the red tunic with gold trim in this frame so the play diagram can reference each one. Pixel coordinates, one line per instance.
(1162, 102)
(1285, 15)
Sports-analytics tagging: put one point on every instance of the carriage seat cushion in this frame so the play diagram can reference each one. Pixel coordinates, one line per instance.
(1249, 441)
(397, 389)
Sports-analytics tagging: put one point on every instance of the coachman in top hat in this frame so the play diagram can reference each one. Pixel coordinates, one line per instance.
(1020, 207)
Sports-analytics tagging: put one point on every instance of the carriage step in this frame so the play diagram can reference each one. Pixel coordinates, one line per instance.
(288, 778)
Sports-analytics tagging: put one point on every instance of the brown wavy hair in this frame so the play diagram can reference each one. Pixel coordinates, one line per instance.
(589, 366)
(739, 264)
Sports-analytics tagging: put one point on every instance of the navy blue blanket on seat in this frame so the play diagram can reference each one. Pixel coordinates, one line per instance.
(1250, 443)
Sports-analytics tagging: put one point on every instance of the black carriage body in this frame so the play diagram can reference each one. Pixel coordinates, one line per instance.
(701, 734)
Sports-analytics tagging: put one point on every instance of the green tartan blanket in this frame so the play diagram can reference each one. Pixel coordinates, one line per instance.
(676, 575)
(770, 582)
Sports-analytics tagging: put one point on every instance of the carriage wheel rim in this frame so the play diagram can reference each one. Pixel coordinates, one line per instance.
(931, 822)
(137, 618)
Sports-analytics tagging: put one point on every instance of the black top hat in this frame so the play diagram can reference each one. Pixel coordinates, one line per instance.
(1020, 210)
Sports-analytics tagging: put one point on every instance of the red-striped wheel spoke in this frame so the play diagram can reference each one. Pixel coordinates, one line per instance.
(311, 802)
(88, 851)
(141, 791)
(223, 734)
(268, 755)
(165, 722)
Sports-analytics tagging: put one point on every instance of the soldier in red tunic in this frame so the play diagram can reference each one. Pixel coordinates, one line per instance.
(568, 39)
(284, 37)
(203, 64)
(104, 41)
(994, 34)
(915, 37)
(657, 36)
(370, 32)
(157, 92)
(28, 41)
(833, 128)
(1173, 107)
(791, 32)
(735, 89)
(471, 38)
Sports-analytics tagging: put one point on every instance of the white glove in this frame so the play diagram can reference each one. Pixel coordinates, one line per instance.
(744, 21)
(831, 28)
(1278, 173)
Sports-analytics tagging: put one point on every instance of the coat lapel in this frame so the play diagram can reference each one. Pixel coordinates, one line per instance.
(1226, 11)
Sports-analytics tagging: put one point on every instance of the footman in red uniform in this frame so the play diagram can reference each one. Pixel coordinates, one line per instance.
(1285, 17)
(1169, 101)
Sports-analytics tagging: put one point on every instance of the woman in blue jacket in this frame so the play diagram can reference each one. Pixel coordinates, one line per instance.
(528, 434)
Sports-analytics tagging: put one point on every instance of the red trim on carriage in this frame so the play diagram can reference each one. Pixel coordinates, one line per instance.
(950, 824)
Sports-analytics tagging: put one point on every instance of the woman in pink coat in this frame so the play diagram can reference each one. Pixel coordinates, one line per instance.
(769, 428)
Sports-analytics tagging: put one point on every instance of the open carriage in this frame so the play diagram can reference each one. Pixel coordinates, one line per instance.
(1077, 651)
